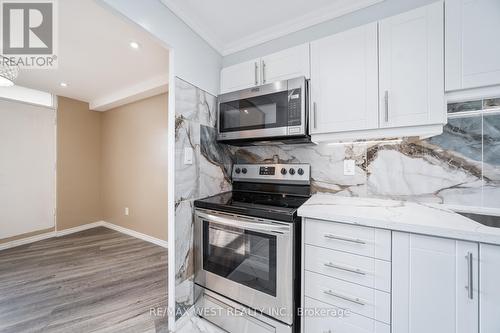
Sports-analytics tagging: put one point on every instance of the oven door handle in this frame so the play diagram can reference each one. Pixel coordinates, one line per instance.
(263, 227)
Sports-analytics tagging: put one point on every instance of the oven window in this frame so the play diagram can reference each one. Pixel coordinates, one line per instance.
(242, 256)
(259, 112)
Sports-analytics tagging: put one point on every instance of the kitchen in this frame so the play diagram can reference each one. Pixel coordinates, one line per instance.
(397, 133)
(324, 166)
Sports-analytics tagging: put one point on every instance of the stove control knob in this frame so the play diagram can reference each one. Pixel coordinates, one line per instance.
(300, 171)
(244, 170)
(237, 170)
(292, 171)
(283, 171)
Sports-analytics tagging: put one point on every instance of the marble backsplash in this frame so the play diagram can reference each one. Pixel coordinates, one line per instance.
(459, 167)
(209, 174)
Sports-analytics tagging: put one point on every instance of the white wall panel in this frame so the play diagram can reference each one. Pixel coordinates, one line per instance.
(27, 168)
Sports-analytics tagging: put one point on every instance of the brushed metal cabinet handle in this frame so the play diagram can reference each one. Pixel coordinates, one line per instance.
(346, 298)
(345, 239)
(256, 73)
(263, 71)
(470, 271)
(386, 100)
(315, 116)
(344, 268)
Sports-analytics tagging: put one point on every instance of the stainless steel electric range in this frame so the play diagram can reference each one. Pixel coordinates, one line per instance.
(247, 248)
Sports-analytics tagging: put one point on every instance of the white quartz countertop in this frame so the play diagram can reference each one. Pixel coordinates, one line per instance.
(427, 219)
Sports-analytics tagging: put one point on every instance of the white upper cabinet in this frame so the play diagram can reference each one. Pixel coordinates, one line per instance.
(287, 64)
(472, 45)
(412, 68)
(344, 81)
(435, 285)
(240, 76)
(489, 272)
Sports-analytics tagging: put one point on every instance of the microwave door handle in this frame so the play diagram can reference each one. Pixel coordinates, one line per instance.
(262, 227)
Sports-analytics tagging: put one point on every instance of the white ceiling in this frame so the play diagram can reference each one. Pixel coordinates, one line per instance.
(96, 60)
(233, 25)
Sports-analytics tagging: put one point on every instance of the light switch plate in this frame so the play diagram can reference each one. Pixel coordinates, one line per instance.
(188, 155)
(349, 167)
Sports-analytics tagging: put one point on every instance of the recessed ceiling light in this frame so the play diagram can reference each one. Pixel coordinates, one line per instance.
(134, 45)
(63, 84)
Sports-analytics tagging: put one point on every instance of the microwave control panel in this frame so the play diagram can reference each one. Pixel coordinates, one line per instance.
(294, 107)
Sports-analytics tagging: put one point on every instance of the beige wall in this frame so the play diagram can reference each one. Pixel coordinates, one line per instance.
(107, 161)
(134, 166)
(78, 164)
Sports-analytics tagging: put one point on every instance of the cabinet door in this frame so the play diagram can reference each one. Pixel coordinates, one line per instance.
(240, 76)
(412, 68)
(344, 81)
(489, 272)
(287, 64)
(472, 47)
(431, 281)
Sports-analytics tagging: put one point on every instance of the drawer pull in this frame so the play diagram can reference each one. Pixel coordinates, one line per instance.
(344, 239)
(347, 269)
(346, 298)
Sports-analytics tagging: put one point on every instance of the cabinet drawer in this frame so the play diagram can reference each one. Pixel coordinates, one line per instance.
(365, 301)
(351, 323)
(365, 241)
(368, 272)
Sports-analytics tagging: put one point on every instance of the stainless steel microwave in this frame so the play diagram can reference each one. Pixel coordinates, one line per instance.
(276, 111)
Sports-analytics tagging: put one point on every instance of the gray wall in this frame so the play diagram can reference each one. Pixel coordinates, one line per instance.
(367, 15)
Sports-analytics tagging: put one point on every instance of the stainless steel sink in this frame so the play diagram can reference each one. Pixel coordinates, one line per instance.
(487, 220)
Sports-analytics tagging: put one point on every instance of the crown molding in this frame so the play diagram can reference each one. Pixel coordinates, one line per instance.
(318, 16)
(203, 31)
(299, 23)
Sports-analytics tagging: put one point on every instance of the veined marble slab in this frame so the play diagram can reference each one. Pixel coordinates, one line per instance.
(190, 323)
(427, 219)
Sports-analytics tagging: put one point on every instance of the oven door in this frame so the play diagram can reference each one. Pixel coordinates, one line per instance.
(269, 111)
(248, 261)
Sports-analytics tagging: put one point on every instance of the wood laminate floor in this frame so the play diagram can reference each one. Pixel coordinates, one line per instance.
(97, 280)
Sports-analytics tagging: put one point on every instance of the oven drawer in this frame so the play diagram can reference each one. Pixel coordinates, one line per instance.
(233, 317)
(365, 241)
(364, 301)
(351, 323)
(368, 272)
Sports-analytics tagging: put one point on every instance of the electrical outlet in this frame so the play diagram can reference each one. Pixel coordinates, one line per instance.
(349, 167)
(126, 211)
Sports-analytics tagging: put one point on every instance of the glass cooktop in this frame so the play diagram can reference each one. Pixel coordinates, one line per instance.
(274, 206)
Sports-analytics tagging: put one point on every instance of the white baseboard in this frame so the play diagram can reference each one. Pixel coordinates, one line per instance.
(135, 234)
(87, 226)
(27, 240)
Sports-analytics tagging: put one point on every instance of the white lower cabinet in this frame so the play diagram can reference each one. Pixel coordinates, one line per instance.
(337, 323)
(425, 284)
(365, 271)
(361, 300)
(346, 267)
(431, 285)
(489, 294)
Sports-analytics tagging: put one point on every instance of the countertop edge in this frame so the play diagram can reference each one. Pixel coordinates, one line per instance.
(450, 233)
